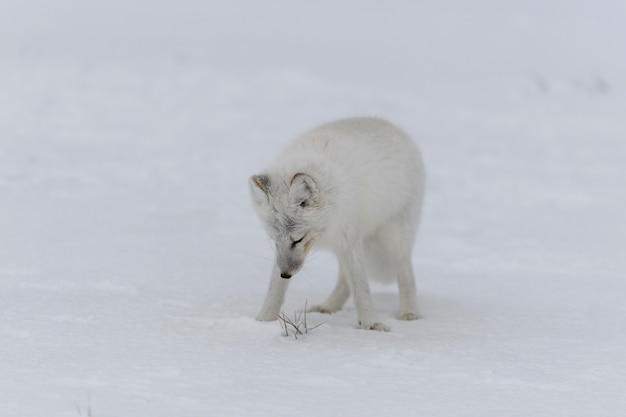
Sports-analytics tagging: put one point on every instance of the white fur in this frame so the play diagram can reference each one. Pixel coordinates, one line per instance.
(354, 186)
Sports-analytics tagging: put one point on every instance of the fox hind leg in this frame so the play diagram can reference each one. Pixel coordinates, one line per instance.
(395, 243)
(407, 292)
(337, 297)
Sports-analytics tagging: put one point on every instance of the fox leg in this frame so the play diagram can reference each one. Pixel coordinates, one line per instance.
(394, 245)
(274, 297)
(337, 298)
(353, 264)
(406, 290)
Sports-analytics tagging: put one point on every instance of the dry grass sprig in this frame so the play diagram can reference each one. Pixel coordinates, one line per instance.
(298, 325)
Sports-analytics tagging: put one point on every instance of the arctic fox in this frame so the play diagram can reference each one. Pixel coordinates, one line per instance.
(354, 186)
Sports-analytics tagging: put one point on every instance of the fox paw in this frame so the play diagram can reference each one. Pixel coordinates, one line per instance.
(266, 317)
(374, 326)
(321, 309)
(409, 315)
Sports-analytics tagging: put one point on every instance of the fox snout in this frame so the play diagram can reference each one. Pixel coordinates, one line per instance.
(288, 269)
(288, 263)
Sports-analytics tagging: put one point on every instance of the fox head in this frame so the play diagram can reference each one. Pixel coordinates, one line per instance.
(294, 215)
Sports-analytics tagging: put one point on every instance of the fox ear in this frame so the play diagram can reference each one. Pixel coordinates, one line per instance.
(303, 190)
(260, 188)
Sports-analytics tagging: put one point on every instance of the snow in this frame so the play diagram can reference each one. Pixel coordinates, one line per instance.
(132, 264)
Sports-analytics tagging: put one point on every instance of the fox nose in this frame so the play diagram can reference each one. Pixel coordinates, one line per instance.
(285, 275)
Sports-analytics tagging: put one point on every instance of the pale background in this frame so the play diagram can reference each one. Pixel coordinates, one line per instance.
(132, 265)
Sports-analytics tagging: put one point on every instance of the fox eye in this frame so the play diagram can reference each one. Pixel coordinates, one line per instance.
(303, 203)
(295, 242)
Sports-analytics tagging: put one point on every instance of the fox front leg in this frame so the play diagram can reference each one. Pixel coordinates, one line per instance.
(274, 297)
(354, 267)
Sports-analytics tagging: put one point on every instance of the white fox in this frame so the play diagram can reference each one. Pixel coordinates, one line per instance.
(354, 186)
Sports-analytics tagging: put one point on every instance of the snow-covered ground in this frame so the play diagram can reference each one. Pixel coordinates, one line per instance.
(132, 265)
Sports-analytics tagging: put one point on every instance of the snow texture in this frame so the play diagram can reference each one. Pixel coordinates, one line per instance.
(132, 264)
